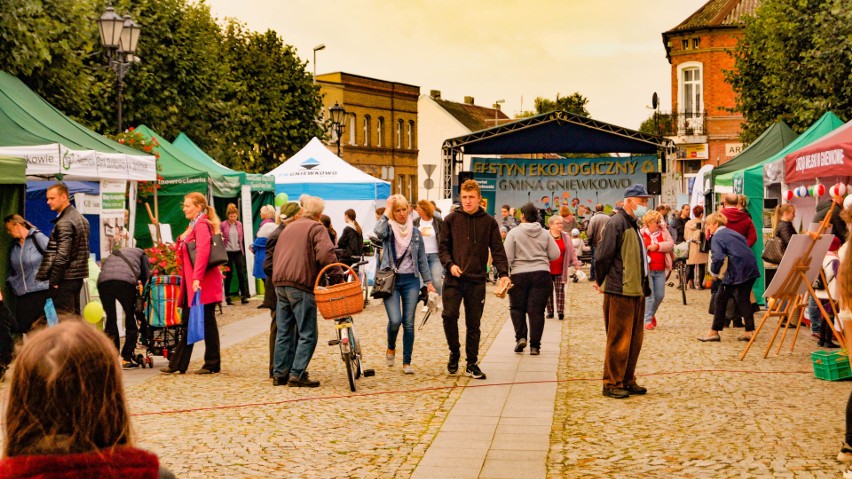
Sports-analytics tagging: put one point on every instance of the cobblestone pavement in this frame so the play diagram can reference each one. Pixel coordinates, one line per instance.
(706, 414)
(256, 430)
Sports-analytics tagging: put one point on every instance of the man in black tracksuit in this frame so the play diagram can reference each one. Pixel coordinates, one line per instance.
(466, 238)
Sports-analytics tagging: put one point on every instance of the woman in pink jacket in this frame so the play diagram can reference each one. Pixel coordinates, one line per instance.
(203, 223)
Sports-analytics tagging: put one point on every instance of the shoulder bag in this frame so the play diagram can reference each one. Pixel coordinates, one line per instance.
(218, 255)
(772, 250)
(385, 280)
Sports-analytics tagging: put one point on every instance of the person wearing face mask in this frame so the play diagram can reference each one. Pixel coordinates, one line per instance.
(622, 276)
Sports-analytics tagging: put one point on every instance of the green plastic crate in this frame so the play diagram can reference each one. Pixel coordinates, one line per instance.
(831, 366)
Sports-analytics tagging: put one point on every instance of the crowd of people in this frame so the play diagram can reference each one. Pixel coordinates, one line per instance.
(528, 252)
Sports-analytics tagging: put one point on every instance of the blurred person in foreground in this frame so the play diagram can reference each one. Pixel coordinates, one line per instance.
(66, 415)
(844, 303)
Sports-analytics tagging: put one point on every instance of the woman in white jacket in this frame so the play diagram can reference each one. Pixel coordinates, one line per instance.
(529, 249)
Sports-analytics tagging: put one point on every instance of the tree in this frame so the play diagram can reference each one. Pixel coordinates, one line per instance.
(573, 103)
(794, 63)
(276, 100)
(47, 45)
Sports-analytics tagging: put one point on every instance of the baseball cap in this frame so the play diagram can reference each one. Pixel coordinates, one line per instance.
(637, 191)
(575, 232)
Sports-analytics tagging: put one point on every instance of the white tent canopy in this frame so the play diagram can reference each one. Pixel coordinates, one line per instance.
(316, 171)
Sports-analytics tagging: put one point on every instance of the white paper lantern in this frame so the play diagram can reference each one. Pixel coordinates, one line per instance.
(847, 203)
(837, 190)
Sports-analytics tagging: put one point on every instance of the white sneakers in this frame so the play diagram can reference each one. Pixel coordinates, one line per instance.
(407, 369)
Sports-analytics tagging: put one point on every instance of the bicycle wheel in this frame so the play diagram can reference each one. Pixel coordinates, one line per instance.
(355, 347)
(350, 372)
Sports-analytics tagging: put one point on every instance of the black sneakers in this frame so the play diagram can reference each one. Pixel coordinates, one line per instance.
(302, 381)
(473, 371)
(453, 364)
(534, 351)
(520, 345)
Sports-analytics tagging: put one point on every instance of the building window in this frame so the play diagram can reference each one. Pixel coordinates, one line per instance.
(696, 42)
(410, 134)
(692, 89)
(399, 134)
(352, 128)
(685, 44)
(366, 130)
(380, 132)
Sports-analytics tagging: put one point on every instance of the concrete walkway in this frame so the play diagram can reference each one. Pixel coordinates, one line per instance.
(500, 427)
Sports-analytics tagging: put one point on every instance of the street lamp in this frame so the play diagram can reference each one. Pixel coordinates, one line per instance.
(338, 116)
(497, 109)
(317, 48)
(119, 36)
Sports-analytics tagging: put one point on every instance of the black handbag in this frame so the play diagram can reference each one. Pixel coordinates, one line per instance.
(218, 254)
(385, 281)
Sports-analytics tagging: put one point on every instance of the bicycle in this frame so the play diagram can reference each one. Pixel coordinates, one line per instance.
(680, 266)
(347, 339)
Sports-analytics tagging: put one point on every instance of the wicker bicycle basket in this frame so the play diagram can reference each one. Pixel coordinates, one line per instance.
(339, 300)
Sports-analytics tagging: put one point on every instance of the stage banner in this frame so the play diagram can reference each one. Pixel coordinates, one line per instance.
(551, 183)
(113, 226)
(488, 187)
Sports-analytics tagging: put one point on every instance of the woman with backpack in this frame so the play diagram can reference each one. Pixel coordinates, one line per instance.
(25, 258)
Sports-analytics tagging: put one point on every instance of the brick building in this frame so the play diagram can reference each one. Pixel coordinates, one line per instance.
(380, 131)
(702, 122)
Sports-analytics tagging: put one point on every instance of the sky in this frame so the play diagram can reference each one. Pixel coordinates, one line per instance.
(609, 51)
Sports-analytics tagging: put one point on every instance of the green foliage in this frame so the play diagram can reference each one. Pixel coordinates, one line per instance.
(243, 97)
(47, 44)
(573, 103)
(794, 63)
(657, 124)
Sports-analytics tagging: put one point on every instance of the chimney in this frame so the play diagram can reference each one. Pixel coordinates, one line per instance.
(468, 100)
(436, 94)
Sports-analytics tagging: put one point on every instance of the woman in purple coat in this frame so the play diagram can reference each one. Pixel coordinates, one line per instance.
(203, 224)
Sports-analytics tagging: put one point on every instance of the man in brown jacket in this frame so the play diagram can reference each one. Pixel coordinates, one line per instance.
(304, 248)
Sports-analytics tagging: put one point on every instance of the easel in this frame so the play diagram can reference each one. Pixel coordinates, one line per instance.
(790, 298)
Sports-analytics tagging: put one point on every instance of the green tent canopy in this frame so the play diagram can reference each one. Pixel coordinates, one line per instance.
(750, 182)
(256, 181)
(13, 180)
(53, 144)
(767, 144)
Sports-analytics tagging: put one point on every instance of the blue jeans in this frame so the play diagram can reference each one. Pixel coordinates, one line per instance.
(406, 291)
(658, 290)
(296, 313)
(436, 270)
(815, 315)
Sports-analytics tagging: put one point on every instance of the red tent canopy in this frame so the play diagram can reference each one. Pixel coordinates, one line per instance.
(830, 156)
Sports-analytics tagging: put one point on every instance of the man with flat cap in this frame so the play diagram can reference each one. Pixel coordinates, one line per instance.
(621, 274)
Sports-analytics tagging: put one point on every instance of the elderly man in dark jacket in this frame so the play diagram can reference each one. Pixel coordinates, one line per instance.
(294, 270)
(66, 259)
(622, 275)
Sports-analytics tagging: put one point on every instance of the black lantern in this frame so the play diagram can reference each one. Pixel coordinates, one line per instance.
(119, 36)
(338, 116)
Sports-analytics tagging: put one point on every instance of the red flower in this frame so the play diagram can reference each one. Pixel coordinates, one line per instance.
(163, 264)
(152, 260)
(130, 129)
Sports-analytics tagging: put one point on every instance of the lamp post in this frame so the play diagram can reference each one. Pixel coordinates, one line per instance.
(119, 36)
(497, 109)
(338, 116)
(317, 48)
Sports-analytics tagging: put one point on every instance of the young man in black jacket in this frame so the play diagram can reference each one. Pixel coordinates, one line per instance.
(66, 259)
(467, 236)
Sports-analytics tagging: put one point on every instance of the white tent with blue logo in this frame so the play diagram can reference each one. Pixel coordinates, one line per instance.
(316, 171)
